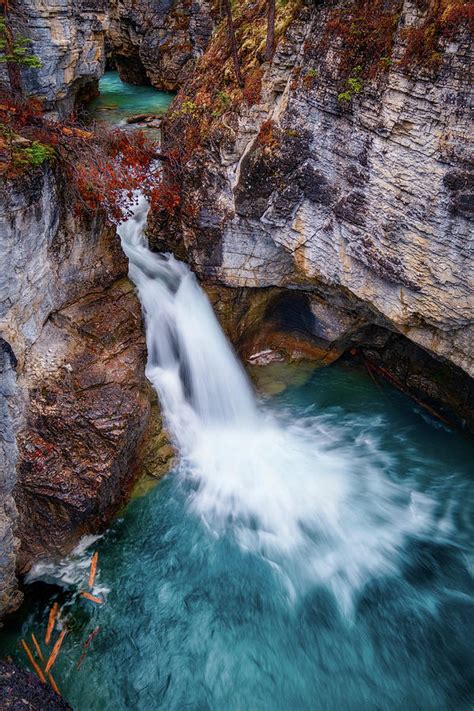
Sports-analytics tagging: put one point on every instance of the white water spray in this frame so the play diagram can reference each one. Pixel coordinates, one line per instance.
(318, 509)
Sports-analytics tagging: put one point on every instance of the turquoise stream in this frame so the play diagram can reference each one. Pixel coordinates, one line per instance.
(194, 621)
(118, 101)
(311, 552)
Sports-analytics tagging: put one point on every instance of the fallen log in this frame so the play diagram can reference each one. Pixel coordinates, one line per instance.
(51, 621)
(32, 662)
(55, 651)
(37, 647)
(92, 598)
(53, 684)
(93, 569)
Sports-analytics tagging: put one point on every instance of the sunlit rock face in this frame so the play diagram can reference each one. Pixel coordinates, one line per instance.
(157, 42)
(74, 402)
(370, 198)
(68, 38)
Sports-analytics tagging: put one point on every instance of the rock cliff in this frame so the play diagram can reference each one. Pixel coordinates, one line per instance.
(68, 38)
(343, 169)
(73, 394)
(157, 42)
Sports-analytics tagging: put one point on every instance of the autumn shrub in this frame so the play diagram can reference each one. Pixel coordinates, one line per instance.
(365, 31)
(105, 166)
(442, 21)
(253, 86)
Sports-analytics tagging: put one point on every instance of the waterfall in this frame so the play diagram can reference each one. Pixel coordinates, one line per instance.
(190, 362)
(313, 498)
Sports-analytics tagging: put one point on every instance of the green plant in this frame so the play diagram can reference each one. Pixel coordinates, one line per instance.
(38, 153)
(223, 97)
(354, 86)
(15, 50)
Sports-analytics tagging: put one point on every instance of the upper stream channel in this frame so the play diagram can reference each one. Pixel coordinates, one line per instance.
(312, 549)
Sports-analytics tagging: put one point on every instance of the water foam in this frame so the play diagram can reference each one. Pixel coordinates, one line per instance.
(319, 508)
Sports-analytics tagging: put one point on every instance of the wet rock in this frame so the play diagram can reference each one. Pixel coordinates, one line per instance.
(158, 43)
(143, 118)
(77, 402)
(156, 456)
(88, 409)
(21, 690)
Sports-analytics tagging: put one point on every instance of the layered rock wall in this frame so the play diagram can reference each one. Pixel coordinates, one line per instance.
(158, 42)
(9, 596)
(360, 193)
(74, 398)
(68, 38)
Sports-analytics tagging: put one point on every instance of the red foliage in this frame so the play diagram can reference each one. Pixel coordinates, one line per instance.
(366, 30)
(267, 135)
(442, 22)
(105, 166)
(252, 90)
(110, 168)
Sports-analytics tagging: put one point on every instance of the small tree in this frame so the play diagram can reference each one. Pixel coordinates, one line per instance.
(15, 52)
(270, 45)
(233, 42)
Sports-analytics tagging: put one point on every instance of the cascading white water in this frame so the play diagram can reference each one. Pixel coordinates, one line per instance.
(317, 508)
(190, 361)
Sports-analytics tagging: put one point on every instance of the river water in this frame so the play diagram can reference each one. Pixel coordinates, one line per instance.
(311, 550)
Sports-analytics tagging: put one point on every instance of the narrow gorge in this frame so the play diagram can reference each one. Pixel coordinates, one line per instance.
(236, 354)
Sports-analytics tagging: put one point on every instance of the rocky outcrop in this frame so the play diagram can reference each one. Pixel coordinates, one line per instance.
(158, 42)
(87, 412)
(21, 690)
(68, 38)
(9, 596)
(344, 182)
(76, 402)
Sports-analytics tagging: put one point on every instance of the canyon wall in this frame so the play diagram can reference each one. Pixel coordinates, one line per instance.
(344, 169)
(74, 402)
(158, 42)
(68, 38)
(149, 42)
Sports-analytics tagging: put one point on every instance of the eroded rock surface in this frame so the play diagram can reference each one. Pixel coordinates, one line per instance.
(68, 38)
(157, 42)
(77, 402)
(369, 198)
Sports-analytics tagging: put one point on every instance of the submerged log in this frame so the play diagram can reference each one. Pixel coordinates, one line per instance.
(32, 661)
(86, 645)
(55, 651)
(51, 621)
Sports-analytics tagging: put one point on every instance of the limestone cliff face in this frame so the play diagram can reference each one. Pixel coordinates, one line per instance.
(157, 42)
(68, 38)
(9, 596)
(365, 198)
(74, 402)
